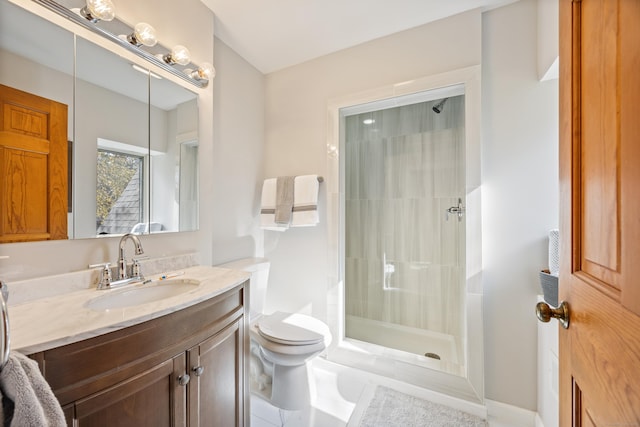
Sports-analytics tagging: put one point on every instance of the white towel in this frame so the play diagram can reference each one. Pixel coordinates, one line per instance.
(29, 396)
(554, 252)
(268, 207)
(305, 201)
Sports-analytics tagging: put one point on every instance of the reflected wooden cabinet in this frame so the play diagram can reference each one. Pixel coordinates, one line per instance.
(33, 167)
(183, 369)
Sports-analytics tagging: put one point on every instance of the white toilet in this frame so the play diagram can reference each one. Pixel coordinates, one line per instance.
(281, 343)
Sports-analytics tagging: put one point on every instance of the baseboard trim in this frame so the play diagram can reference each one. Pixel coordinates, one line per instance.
(509, 415)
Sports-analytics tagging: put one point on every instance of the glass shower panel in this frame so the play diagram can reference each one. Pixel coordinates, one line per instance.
(405, 230)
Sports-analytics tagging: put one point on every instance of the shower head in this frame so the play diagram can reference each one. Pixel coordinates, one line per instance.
(439, 106)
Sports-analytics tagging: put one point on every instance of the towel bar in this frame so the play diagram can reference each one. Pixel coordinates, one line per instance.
(320, 178)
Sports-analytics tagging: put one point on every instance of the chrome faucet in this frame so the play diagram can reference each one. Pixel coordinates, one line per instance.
(122, 262)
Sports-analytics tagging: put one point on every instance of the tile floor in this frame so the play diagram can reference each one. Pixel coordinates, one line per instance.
(342, 394)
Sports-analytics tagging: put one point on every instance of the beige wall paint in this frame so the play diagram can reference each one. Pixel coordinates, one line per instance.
(194, 28)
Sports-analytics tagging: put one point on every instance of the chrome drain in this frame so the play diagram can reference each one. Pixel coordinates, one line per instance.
(432, 355)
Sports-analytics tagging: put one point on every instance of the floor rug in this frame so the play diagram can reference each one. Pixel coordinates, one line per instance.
(390, 408)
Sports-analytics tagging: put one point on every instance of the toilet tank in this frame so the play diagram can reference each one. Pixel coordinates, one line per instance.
(259, 270)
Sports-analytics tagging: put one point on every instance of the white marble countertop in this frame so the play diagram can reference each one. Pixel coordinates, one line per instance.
(52, 321)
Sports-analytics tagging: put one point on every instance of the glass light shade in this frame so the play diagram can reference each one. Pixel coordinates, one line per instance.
(102, 10)
(180, 55)
(145, 34)
(206, 71)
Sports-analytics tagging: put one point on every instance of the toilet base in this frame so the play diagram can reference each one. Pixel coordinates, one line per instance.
(290, 389)
(285, 387)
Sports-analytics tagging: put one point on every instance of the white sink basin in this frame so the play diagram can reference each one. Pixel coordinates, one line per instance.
(142, 294)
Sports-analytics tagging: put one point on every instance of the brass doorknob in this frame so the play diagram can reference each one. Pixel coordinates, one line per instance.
(545, 313)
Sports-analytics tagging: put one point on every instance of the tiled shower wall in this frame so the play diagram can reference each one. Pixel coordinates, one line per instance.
(404, 257)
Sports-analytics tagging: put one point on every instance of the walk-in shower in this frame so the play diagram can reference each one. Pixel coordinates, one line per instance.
(404, 219)
(405, 229)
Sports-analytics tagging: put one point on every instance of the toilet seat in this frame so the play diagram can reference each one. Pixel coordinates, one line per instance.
(292, 329)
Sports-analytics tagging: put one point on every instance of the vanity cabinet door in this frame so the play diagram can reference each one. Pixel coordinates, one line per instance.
(69, 413)
(155, 398)
(216, 391)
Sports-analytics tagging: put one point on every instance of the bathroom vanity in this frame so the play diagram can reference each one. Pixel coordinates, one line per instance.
(176, 361)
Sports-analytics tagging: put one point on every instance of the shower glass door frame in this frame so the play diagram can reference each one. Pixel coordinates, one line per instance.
(469, 383)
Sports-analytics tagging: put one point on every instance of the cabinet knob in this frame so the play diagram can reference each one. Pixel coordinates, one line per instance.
(184, 379)
(198, 370)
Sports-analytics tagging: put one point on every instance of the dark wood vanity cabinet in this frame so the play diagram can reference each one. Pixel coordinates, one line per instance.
(214, 368)
(188, 368)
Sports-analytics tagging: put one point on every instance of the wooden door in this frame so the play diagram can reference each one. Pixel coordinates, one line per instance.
(600, 212)
(33, 167)
(216, 392)
(153, 398)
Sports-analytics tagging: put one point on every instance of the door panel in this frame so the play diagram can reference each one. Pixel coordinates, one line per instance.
(33, 166)
(25, 192)
(600, 226)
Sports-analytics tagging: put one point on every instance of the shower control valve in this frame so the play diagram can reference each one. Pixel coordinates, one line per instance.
(456, 210)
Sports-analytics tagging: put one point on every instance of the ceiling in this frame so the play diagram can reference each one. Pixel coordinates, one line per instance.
(275, 34)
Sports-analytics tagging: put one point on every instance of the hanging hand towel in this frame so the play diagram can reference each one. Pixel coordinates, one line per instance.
(27, 398)
(268, 207)
(305, 201)
(284, 200)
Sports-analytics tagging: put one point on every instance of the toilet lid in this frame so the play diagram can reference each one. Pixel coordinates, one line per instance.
(292, 328)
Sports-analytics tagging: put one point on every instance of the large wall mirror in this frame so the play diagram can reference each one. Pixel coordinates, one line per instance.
(132, 135)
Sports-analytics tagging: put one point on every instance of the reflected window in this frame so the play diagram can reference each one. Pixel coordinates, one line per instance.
(120, 189)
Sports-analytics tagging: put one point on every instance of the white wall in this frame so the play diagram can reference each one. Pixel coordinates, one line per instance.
(548, 34)
(238, 121)
(519, 159)
(520, 197)
(188, 22)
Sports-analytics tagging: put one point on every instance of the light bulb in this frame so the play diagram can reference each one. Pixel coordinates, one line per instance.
(143, 34)
(99, 10)
(179, 55)
(206, 71)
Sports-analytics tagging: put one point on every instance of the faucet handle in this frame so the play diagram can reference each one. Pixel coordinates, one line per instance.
(136, 270)
(105, 274)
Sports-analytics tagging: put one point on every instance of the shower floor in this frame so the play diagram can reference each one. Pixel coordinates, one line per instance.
(406, 339)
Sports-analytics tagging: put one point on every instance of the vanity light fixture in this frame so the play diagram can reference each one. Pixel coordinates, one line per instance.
(98, 10)
(178, 55)
(205, 72)
(96, 15)
(143, 34)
